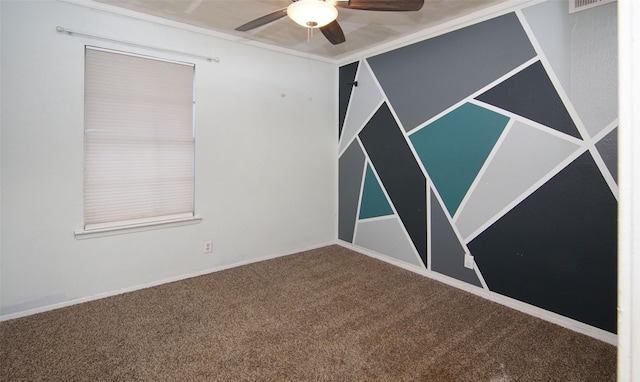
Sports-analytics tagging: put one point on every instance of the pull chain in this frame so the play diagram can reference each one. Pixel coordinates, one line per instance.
(310, 26)
(309, 35)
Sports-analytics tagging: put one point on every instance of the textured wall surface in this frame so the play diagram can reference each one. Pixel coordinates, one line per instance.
(496, 140)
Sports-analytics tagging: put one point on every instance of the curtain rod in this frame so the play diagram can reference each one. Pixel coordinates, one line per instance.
(76, 33)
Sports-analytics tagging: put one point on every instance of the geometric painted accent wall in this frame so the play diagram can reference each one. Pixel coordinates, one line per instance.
(558, 247)
(348, 75)
(373, 203)
(540, 103)
(476, 142)
(454, 148)
(400, 173)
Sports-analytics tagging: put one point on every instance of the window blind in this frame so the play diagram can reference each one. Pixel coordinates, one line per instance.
(139, 139)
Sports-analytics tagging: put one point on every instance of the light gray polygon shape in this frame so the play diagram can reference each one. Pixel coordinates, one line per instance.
(350, 173)
(582, 50)
(552, 29)
(526, 155)
(365, 100)
(387, 236)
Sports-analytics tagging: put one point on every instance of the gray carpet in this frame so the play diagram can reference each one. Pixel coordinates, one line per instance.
(328, 314)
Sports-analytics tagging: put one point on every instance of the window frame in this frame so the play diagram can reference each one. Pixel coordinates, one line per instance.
(149, 222)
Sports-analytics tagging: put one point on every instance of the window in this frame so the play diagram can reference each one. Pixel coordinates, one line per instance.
(139, 140)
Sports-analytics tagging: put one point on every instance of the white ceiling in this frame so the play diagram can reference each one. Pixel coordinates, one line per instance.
(364, 30)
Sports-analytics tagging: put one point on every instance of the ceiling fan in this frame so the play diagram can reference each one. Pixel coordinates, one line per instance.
(322, 14)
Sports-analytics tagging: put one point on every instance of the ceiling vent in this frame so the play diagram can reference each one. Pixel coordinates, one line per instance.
(581, 5)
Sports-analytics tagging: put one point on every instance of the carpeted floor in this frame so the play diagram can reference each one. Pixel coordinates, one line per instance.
(328, 314)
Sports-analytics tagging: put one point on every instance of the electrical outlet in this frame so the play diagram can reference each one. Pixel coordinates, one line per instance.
(468, 261)
(207, 246)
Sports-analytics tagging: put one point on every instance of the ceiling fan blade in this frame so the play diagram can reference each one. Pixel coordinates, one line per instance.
(260, 21)
(333, 32)
(382, 5)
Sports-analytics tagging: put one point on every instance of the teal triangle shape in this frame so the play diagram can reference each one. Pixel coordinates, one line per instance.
(373, 203)
(454, 147)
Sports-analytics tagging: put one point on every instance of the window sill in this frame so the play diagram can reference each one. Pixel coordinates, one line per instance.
(121, 230)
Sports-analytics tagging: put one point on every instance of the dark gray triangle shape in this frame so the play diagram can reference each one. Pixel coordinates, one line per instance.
(447, 254)
(346, 76)
(531, 94)
(400, 174)
(608, 149)
(350, 173)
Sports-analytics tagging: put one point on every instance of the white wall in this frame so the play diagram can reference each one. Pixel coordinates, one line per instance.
(266, 159)
(629, 223)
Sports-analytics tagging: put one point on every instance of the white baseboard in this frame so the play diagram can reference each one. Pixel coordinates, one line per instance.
(543, 314)
(81, 300)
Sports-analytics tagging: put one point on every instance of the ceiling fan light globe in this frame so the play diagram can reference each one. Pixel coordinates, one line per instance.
(312, 13)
